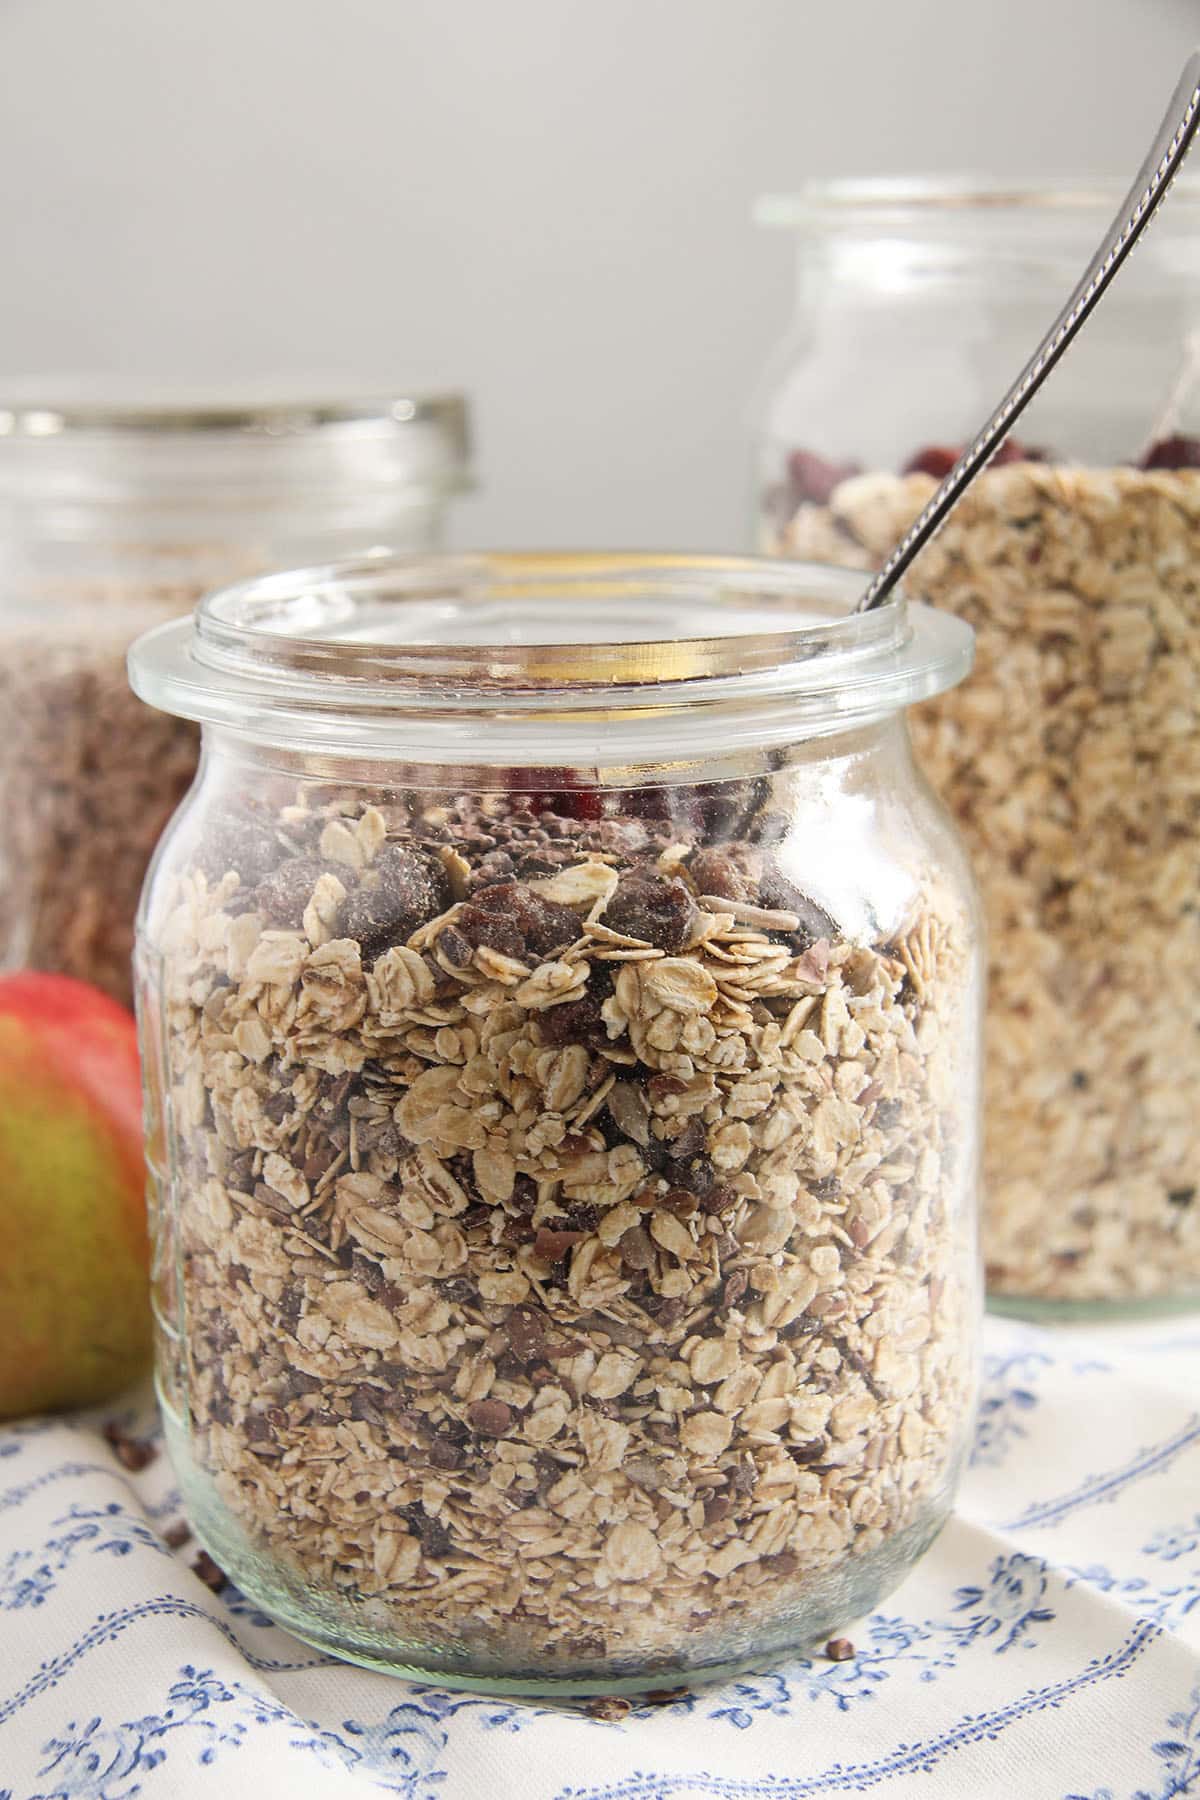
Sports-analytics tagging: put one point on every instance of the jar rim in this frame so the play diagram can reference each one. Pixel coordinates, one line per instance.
(419, 654)
(33, 409)
(878, 198)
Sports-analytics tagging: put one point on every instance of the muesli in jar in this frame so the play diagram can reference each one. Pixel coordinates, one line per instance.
(114, 517)
(572, 1205)
(1071, 764)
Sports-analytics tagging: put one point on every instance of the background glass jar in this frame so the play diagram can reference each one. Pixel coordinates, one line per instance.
(1071, 760)
(112, 519)
(562, 1134)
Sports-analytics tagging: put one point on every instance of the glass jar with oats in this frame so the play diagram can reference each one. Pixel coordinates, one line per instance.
(118, 511)
(560, 1002)
(1071, 761)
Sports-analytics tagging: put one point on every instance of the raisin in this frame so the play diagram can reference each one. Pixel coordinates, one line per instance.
(781, 895)
(243, 844)
(655, 908)
(411, 889)
(575, 1022)
(510, 913)
(283, 894)
(731, 872)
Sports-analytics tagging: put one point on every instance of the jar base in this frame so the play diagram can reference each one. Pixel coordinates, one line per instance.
(1037, 1309)
(837, 1597)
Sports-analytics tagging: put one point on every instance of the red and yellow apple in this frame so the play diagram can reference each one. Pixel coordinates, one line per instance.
(74, 1297)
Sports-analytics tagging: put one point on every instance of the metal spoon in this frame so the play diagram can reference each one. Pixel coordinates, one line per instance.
(1170, 146)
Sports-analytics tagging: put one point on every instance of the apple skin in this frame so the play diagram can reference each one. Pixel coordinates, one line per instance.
(74, 1259)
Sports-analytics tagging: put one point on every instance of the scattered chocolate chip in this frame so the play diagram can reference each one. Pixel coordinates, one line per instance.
(134, 1454)
(176, 1536)
(209, 1572)
(610, 1708)
(840, 1649)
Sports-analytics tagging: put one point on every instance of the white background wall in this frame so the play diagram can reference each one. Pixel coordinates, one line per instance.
(544, 201)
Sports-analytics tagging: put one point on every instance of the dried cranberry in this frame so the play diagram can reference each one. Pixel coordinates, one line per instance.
(935, 460)
(411, 889)
(813, 478)
(656, 908)
(567, 795)
(1176, 452)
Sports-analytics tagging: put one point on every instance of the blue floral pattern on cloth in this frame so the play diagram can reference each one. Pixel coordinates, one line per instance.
(1049, 1645)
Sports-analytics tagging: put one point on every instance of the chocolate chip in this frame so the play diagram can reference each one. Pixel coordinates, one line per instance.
(840, 1649)
(176, 1536)
(134, 1454)
(1181, 1196)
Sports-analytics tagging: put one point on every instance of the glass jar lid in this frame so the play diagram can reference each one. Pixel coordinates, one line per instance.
(81, 441)
(890, 200)
(599, 660)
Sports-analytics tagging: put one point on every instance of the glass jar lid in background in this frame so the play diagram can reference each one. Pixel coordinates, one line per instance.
(76, 452)
(917, 299)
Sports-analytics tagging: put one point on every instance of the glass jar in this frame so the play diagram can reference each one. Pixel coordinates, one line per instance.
(1071, 761)
(112, 519)
(561, 1104)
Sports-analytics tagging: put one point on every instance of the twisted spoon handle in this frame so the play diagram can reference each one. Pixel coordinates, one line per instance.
(1168, 150)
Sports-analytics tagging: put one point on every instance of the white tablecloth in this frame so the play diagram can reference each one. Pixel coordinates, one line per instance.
(1049, 1645)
